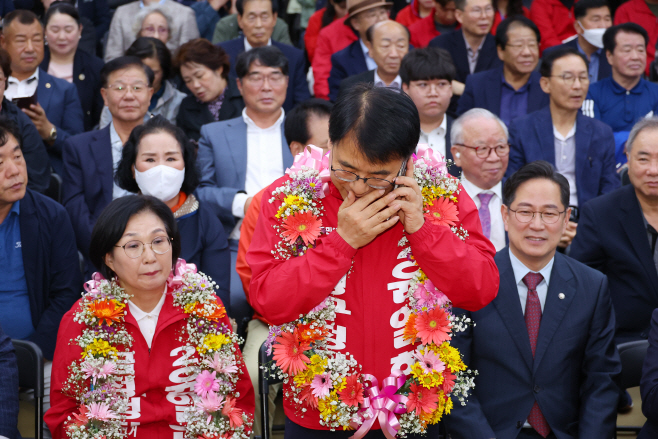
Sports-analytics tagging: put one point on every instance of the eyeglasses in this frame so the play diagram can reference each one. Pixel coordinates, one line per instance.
(122, 89)
(484, 151)
(375, 183)
(134, 249)
(476, 12)
(432, 87)
(570, 78)
(550, 216)
(151, 30)
(258, 79)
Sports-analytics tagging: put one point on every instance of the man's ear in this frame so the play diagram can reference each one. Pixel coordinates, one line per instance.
(405, 88)
(504, 213)
(456, 155)
(296, 148)
(104, 95)
(545, 85)
(238, 81)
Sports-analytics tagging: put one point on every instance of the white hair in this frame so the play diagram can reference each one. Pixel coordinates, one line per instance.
(457, 129)
(648, 123)
(148, 10)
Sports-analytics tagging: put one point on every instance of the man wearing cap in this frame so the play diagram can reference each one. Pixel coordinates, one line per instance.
(334, 62)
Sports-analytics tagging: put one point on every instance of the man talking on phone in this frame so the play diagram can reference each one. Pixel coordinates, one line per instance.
(368, 208)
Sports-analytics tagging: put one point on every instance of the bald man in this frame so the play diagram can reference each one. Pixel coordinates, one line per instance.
(387, 43)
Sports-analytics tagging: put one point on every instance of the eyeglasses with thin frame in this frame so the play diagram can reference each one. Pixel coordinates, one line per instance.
(151, 30)
(477, 12)
(549, 216)
(135, 248)
(122, 89)
(570, 79)
(258, 79)
(350, 177)
(484, 151)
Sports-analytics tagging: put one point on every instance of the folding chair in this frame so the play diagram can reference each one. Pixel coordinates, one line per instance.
(264, 381)
(632, 356)
(30, 376)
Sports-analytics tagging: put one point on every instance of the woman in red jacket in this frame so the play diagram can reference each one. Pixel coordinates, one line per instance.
(554, 18)
(319, 20)
(150, 353)
(507, 8)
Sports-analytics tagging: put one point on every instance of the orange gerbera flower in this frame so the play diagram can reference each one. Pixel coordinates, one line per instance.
(219, 312)
(107, 310)
(304, 224)
(410, 332)
(308, 335)
(289, 353)
(433, 326)
(421, 399)
(308, 399)
(442, 213)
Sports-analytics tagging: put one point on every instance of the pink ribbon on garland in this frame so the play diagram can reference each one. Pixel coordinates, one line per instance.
(181, 268)
(312, 157)
(92, 286)
(383, 404)
(432, 158)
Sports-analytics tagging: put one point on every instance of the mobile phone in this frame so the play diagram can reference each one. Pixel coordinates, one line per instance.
(402, 173)
(26, 101)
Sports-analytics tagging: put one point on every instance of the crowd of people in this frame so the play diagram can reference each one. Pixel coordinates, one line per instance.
(135, 135)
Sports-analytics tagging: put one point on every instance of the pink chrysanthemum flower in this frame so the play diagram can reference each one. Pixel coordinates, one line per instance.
(321, 385)
(205, 383)
(430, 362)
(210, 403)
(428, 295)
(94, 370)
(221, 365)
(100, 411)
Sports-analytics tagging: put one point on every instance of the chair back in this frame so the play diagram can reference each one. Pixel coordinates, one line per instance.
(30, 376)
(264, 381)
(632, 356)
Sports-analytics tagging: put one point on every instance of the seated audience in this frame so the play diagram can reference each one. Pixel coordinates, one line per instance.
(166, 99)
(592, 19)
(52, 103)
(227, 29)
(154, 22)
(256, 19)
(306, 124)
(553, 368)
(356, 57)
(159, 160)
(440, 22)
(347, 33)
(480, 146)
(8, 388)
(472, 48)
(64, 59)
(554, 18)
(617, 236)
(322, 18)
(625, 97)
(32, 147)
(648, 383)
(90, 159)
(580, 148)
(122, 32)
(87, 41)
(208, 13)
(135, 235)
(205, 69)
(426, 76)
(41, 276)
(643, 13)
(512, 90)
(414, 12)
(241, 156)
(507, 9)
(99, 13)
(387, 43)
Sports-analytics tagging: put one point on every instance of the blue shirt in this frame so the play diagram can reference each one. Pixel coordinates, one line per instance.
(619, 108)
(15, 315)
(594, 62)
(513, 103)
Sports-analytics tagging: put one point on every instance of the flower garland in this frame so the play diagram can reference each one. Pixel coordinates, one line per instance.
(332, 383)
(95, 380)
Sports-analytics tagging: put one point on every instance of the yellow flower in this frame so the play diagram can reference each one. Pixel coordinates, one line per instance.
(213, 342)
(326, 407)
(339, 385)
(293, 202)
(99, 347)
(317, 364)
(427, 380)
(451, 357)
(448, 406)
(190, 307)
(304, 377)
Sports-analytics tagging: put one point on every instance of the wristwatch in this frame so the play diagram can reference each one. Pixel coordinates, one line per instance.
(53, 134)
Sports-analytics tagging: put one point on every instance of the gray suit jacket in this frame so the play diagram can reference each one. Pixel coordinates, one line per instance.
(122, 29)
(222, 160)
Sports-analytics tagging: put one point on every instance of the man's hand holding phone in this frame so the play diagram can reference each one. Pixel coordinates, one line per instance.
(408, 199)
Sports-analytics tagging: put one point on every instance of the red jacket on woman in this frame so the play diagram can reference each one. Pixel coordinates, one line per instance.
(371, 313)
(161, 390)
(332, 38)
(554, 20)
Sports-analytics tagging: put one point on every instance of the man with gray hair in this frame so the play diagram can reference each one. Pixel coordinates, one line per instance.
(480, 148)
(617, 235)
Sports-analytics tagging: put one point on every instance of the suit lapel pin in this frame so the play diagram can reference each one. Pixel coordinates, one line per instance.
(81, 77)
(561, 296)
(48, 85)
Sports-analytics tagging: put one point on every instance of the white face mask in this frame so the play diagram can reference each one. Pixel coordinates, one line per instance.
(162, 182)
(593, 36)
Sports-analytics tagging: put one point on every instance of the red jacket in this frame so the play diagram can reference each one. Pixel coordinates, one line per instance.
(409, 14)
(371, 312)
(554, 20)
(498, 18)
(312, 32)
(332, 38)
(637, 11)
(160, 392)
(423, 31)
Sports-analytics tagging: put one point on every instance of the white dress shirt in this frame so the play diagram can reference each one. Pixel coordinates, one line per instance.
(117, 147)
(370, 63)
(264, 163)
(565, 160)
(395, 85)
(147, 321)
(520, 270)
(22, 89)
(248, 47)
(497, 226)
(436, 139)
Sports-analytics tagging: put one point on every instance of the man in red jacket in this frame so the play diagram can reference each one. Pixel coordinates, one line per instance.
(373, 132)
(554, 18)
(643, 13)
(441, 21)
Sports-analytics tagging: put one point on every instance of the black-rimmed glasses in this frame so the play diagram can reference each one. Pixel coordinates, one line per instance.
(483, 151)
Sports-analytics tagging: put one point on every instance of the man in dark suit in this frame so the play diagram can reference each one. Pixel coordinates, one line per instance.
(472, 48)
(649, 382)
(99, 13)
(41, 278)
(8, 388)
(388, 43)
(592, 19)
(552, 369)
(581, 148)
(617, 235)
(90, 158)
(257, 31)
(427, 76)
(512, 90)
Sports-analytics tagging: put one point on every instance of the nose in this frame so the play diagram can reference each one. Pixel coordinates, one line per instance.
(653, 167)
(492, 157)
(12, 169)
(536, 223)
(148, 256)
